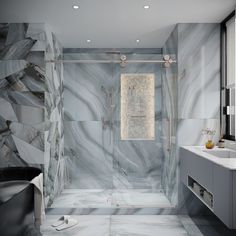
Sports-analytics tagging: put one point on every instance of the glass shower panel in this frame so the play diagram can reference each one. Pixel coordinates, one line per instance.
(138, 163)
(106, 171)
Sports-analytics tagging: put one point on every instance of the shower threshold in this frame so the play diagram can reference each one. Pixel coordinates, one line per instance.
(114, 201)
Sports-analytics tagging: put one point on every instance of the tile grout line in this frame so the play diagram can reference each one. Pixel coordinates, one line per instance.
(110, 221)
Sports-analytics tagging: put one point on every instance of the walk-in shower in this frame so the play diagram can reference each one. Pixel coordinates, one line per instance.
(107, 172)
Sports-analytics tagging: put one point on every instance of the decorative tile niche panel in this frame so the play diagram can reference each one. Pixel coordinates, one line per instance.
(137, 107)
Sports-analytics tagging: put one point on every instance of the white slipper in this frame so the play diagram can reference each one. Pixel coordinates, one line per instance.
(60, 221)
(68, 223)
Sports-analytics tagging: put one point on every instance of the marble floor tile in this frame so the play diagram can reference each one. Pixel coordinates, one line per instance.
(87, 226)
(146, 226)
(139, 225)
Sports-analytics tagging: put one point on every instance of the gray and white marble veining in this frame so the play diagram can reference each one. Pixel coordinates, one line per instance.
(30, 78)
(28, 134)
(33, 99)
(16, 32)
(18, 50)
(199, 71)
(28, 115)
(98, 158)
(88, 88)
(190, 131)
(9, 67)
(90, 152)
(113, 211)
(28, 153)
(141, 225)
(137, 164)
(32, 120)
(8, 111)
(199, 92)
(192, 97)
(169, 121)
(119, 225)
(147, 225)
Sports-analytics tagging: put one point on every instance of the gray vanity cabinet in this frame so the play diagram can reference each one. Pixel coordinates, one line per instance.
(234, 199)
(198, 168)
(216, 179)
(223, 194)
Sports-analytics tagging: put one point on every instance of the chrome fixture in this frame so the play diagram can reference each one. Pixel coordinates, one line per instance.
(123, 59)
(167, 61)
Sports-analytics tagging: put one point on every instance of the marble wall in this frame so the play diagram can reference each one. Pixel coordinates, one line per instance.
(98, 159)
(31, 117)
(193, 100)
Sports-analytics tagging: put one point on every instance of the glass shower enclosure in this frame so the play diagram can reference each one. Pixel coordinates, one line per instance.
(106, 170)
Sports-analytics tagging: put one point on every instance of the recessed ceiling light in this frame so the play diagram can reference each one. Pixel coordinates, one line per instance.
(146, 7)
(76, 7)
(137, 40)
(88, 40)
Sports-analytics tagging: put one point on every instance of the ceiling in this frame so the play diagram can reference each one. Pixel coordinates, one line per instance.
(114, 23)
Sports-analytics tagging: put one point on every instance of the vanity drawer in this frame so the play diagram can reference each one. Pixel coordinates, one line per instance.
(198, 168)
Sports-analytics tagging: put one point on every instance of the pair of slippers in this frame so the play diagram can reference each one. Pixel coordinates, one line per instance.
(64, 222)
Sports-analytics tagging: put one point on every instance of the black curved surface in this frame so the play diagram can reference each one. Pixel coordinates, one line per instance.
(17, 201)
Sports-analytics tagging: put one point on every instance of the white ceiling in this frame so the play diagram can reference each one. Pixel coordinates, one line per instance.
(114, 23)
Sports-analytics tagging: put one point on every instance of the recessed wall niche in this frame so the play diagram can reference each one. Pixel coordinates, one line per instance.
(137, 107)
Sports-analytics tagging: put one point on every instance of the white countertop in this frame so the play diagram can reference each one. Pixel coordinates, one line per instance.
(229, 163)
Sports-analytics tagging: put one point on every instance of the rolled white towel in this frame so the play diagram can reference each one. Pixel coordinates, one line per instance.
(196, 188)
(207, 197)
(39, 209)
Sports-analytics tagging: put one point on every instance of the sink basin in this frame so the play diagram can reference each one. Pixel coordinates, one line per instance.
(222, 153)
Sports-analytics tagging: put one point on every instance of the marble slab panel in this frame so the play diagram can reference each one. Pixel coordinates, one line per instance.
(91, 89)
(10, 67)
(28, 153)
(190, 131)
(8, 112)
(33, 99)
(28, 134)
(28, 115)
(199, 71)
(137, 164)
(18, 50)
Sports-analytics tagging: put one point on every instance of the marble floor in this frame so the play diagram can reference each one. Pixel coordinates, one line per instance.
(119, 225)
(139, 225)
(97, 198)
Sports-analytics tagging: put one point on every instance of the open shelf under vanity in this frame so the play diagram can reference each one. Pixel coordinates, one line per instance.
(201, 192)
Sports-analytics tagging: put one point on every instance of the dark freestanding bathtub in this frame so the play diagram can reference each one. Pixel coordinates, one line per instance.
(17, 201)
